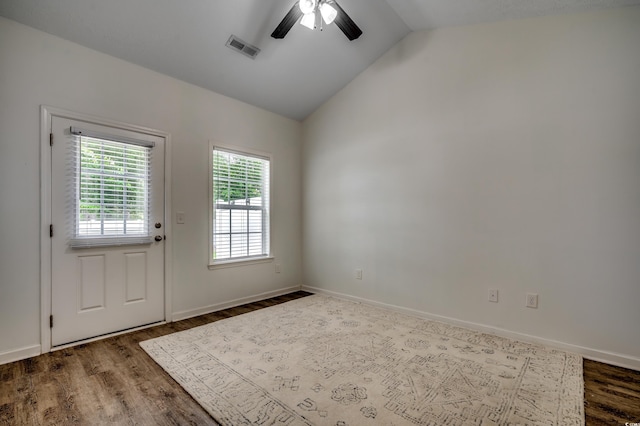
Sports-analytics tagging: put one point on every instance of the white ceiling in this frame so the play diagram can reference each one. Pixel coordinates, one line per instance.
(292, 77)
(429, 14)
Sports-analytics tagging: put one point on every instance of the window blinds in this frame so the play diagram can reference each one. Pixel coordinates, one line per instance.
(111, 180)
(240, 206)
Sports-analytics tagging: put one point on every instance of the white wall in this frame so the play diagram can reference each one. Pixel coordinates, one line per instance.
(35, 69)
(504, 156)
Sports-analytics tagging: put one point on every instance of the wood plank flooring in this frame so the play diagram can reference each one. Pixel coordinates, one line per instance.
(612, 394)
(113, 381)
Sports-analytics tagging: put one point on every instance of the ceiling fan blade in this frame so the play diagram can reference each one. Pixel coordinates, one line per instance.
(346, 24)
(287, 22)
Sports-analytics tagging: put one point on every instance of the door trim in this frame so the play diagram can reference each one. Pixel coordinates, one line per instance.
(46, 115)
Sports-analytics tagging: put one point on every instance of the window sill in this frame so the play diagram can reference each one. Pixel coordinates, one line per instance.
(240, 262)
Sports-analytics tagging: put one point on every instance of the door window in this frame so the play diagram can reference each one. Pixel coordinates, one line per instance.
(111, 180)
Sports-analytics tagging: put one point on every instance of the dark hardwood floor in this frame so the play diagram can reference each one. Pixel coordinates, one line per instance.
(611, 394)
(113, 381)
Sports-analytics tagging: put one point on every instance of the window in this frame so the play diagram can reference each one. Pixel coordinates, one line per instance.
(112, 190)
(240, 205)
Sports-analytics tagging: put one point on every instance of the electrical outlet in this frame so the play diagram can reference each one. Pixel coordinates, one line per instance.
(493, 295)
(532, 300)
(277, 268)
(358, 274)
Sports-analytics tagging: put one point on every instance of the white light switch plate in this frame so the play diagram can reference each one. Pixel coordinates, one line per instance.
(180, 217)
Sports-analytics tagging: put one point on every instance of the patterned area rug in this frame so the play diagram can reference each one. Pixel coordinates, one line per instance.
(326, 361)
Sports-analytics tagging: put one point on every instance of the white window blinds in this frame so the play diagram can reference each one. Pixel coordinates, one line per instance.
(240, 205)
(112, 190)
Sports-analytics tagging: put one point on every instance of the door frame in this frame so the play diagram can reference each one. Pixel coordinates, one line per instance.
(46, 115)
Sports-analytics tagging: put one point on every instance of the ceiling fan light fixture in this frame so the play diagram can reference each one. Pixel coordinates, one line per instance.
(328, 12)
(309, 20)
(308, 6)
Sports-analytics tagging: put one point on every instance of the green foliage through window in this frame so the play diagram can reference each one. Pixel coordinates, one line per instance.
(112, 187)
(236, 177)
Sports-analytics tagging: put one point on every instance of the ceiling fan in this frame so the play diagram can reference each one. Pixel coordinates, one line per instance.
(314, 12)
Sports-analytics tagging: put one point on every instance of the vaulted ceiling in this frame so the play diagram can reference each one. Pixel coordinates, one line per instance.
(292, 77)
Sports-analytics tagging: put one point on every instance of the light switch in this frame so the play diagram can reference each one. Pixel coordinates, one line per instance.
(180, 217)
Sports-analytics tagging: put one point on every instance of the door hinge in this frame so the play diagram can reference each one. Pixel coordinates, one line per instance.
(50, 321)
(50, 139)
(51, 231)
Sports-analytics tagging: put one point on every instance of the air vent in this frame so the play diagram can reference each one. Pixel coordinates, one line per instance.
(243, 47)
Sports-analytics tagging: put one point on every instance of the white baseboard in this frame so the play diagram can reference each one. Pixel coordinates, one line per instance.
(181, 315)
(30, 351)
(616, 359)
(19, 354)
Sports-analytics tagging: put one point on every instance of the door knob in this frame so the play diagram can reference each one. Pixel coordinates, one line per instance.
(158, 225)
(158, 238)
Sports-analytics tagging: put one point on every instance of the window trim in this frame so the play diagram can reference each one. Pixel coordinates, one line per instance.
(243, 261)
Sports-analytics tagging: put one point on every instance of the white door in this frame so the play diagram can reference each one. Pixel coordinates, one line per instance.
(107, 245)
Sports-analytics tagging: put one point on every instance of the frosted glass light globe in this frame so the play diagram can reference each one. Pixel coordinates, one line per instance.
(308, 6)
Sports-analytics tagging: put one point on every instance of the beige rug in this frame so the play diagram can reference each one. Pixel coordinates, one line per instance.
(325, 361)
